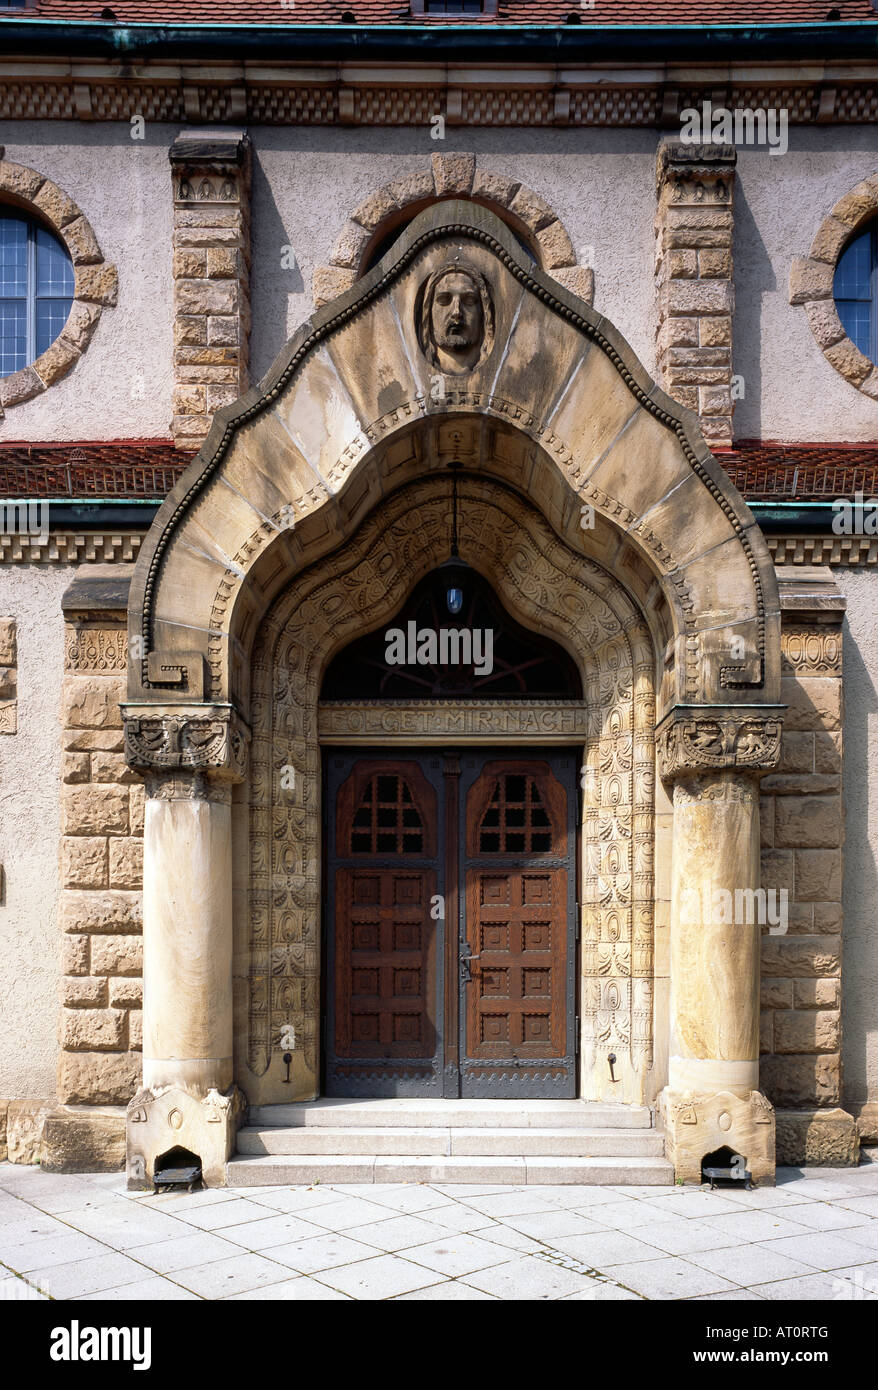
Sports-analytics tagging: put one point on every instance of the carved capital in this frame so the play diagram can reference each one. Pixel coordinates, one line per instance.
(191, 738)
(693, 738)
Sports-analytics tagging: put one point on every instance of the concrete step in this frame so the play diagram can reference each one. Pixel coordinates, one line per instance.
(289, 1170)
(452, 1141)
(451, 1114)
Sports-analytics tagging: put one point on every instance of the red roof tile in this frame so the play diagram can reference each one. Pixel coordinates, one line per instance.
(646, 13)
(151, 467)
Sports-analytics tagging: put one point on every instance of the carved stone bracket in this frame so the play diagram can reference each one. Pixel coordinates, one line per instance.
(203, 738)
(693, 738)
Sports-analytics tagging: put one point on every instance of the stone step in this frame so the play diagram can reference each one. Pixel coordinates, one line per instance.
(288, 1170)
(451, 1141)
(451, 1114)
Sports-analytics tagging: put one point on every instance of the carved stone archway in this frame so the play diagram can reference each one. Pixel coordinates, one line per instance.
(556, 408)
(545, 584)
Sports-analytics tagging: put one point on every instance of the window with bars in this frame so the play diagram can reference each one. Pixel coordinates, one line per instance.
(387, 821)
(856, 291)
(515, 821)
(36, 289)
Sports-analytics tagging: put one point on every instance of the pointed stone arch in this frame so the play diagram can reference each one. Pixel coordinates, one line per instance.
(543, 584)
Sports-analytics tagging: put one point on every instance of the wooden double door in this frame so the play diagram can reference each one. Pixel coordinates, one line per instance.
(451, 906)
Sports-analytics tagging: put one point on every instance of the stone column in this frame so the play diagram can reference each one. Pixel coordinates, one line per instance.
(191, 757)
(713, 757)
(694, 228)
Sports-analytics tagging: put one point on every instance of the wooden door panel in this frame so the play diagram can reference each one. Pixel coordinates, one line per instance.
(385, 959)
(518, 930)
(386, 944)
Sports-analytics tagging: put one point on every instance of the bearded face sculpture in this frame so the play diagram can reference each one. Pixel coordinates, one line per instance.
(456, 318)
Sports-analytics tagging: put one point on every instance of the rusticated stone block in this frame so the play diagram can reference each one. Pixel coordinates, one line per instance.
(75, 955)
(494, 188)
(794, 1082)
(94, 810)
(715, 331)
(533, 210)
(191, 330)
(796, 753)
(798, 957)
(77, 1141)
(816, 994)
(453, 174)
(329, 282)
(809, 821)
(137, 802)
(24, 1129)
(226, 263)
(373, 210)
(8, 644)
(75, 767)
(97, 283)
(92, 702)
(205, 297)
(126, 863)
(117, 955)
(84, 740)
(807, 1031)
(827, 752)
(825, 323)
(190, 262)
(715, 264)
(222, 331)
(777, 872)
(809, 280)
(700, 297)
(578, 279)
(125, 993)
(84, 862)
(98, 1078)
(135, 1031)
(847, 359)
(92, 1029)
(813, 703)
(113, 912)
(821, 1138)
(83, 992)
(777, 994)
(828, 918)
(112, 767)
(190, 399)
(818, 875)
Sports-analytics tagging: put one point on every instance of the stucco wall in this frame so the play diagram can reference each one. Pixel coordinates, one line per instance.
(29, 828)
(306, 182)
(791, 390)
(121, 387)
(860, 962)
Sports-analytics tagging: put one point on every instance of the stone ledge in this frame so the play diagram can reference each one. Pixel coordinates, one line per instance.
(818, 1138)
(87, 1140)
(866, 1115)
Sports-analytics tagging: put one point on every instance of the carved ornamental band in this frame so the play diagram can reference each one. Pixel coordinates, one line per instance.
(207, 738)
(692, 738)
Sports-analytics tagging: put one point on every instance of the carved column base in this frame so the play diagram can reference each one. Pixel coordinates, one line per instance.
(698, 1125)
(168, 1118)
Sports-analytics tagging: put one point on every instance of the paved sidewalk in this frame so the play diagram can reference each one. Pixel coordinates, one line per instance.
(86, 1238)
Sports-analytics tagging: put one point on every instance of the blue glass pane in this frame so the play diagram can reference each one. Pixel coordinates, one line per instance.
(51, 318)
(13, 256)
(852, 274)
(13, 335)
(855, 322)
(54, 268)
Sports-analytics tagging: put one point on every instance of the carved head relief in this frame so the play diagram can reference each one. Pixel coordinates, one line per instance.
(455, 318)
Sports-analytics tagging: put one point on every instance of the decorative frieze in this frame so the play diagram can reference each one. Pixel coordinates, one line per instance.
(693, 738)
(204, 738)
(211, 176)
(694, 227)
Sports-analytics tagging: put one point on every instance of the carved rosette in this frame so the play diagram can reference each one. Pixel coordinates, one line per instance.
(693, 738)
(210, 739)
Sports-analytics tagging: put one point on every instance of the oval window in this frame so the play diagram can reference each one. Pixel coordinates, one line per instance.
(36, 289)
(856, 291)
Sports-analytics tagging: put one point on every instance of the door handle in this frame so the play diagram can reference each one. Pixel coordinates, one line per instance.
(466, 958)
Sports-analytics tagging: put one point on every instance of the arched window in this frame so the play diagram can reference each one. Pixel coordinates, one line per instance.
(36, 289)
(856, 291)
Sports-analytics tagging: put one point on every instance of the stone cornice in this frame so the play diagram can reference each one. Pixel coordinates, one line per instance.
(698, 738)
(199, 738)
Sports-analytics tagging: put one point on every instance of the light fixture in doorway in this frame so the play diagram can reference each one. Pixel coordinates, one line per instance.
(453, 573)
